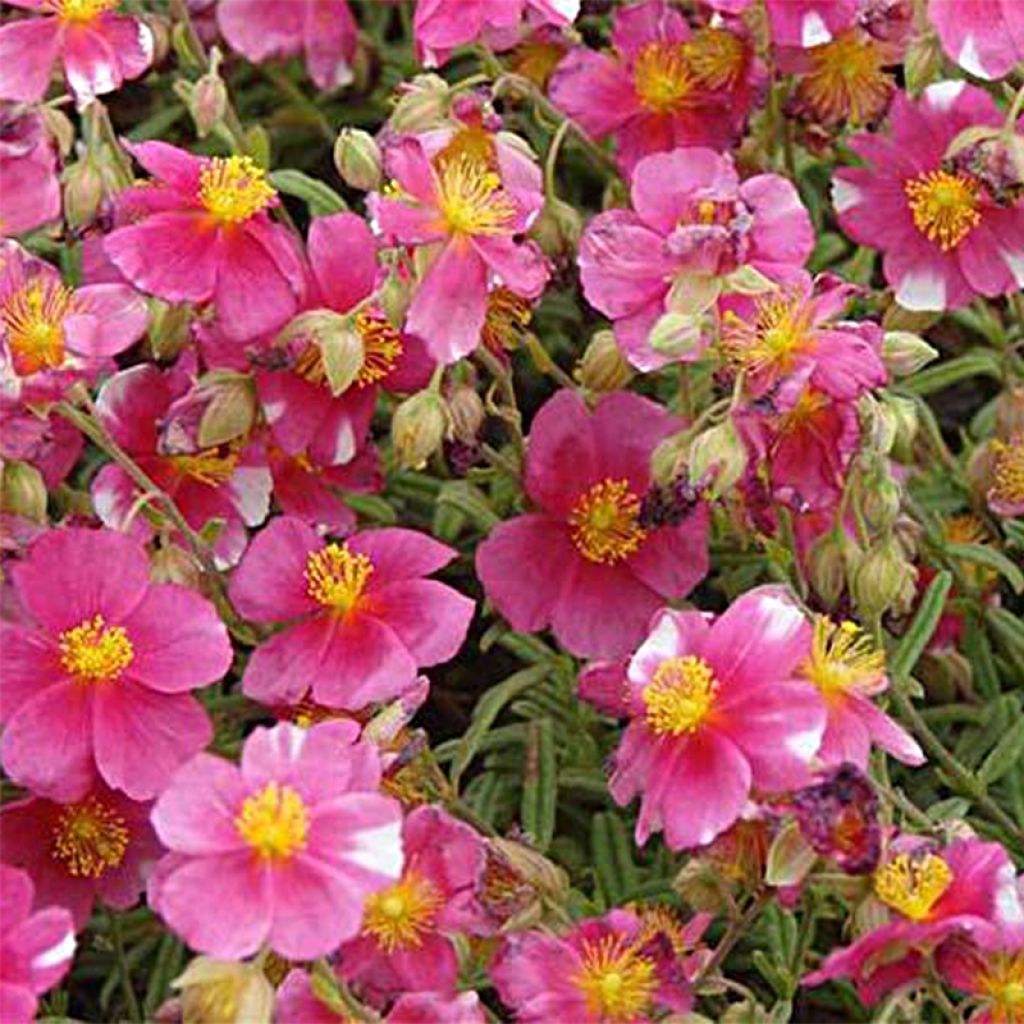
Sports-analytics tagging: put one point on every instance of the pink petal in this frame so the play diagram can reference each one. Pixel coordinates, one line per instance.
(172, 165)
(122, 316)
(562, 462)
(30, 663)
(330, 35)
(674, 559)
(407, 162)
(430, 619)
(28, 50)
(261, 28)
(343, 253)
(313, 911)
(91, 65)
(521, 266)
(594, 90)
(400, 554)
(782, 231)
(888, 734)
(31, 192)
(672, 634)
(131, 402)
(283, 669)
(846, 738)
(132, 41)
(666, 185)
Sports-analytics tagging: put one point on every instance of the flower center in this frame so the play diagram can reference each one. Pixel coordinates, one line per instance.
(33, 319)
(781, 329)
(336, 577)
(913, 885)
(617, 983)
(842, 658)
(234, 189)
(471, 199)
(274, 822)
(94, 652)
(604, 522)
(846, 80)
(663, 78)
(81, 11)
(382, 346)
(1008, 471)
(1002, 980)
(718, 57)
(508, 315)
(680, 696)
(89, 837)
(944, 206)
(209, 466)
(399, 916)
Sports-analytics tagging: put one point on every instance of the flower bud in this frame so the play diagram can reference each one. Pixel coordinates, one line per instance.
(418, 429)
(208, 102)
(603, 366)
(904, 353)
(339, 341)
(60, 128)
(884, 580)
(224, 991)
(172, 564)
(922, 63)
(168, 328)
(83, 191)
(826, 566)
(558, 230)
(230, 410)
(358, 160)
(422, 105)
(668, 461)
(717, 458)
(881, 501)
(23, 491)
(466, 410)
(519, 884)
(903, 414)
(677, 336)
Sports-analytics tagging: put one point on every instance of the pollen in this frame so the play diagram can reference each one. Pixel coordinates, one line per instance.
(211, 466)
(234, 189)
(274, 822)
(617, 983)
(1001, 980)
(912, 885)
(506, 320)
(471, 199)
(382, 347)
(781, 329)
(945, 206)
(83, 11)
(401, 915)
(846, 80)
(717, 57)
(1008, 471)
(663, 78)
(680, 696)
(33, 321)
(843, 658)
(94, 652)
(337, 577)
(89, 838)
(604, 522)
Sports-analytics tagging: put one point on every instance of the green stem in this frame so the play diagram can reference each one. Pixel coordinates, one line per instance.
(551, 160)
(738, 927)
(130, 999)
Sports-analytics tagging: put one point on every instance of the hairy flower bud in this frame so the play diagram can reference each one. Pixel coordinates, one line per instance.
(168, 328)
(557, 230)
(467, 413)
(418, 429)
(884, 580)
(208, 103)
(717, 458)
(339, 341)
(224, 991)
(603, 366)
(422, 105)
(83, 191)
(23, 491)
(358, 160)
(904, 353)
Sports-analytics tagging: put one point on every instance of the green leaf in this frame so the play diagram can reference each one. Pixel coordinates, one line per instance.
(470, 501)
(1008, 631)
(320, 198)
(990, 558)
(540, 783)
(916, 638)
(980, 362)
(1004, 755)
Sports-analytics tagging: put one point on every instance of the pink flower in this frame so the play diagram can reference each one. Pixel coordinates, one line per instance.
(201, 232)
(35, 948)
(432, 1008)
(51, 444)
(985, 37)
(717, 710)
(291, 842)
(53, 335)
(663, 88)
(362, 617)
(98, 48)
(692, 217)
(97, 677)
(95, 848)
(988, 965)
(230, 482)
(802, 23)
(297, 1003)
(931, 895)
(602, 684)
(585, 563)
(323, 30)
(406, 941)
(468, 207)
(28, 169)
(946, 237)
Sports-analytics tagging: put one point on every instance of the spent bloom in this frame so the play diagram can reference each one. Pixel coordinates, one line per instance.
(28, 169)
(292, 840)
(716, 711)
(97, 675)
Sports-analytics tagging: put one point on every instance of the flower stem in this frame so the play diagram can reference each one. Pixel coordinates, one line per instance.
(130, 999)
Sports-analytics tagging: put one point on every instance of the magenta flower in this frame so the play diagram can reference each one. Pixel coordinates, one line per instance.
(717, 710)
(431, 1008)
(985, 37)
(405, 944)
(35, 947)
(946, 234)
(99, 49)
(585, 563)
(692, 217)
(291, 841)
(930, 895)
(28, 169)
(988, 965)
(200, 232)
(362, 617)
(469, 209)
(324, 31)
(96, 848)
(97, 676)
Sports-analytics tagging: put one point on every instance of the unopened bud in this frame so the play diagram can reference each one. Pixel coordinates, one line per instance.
(60, 128)
(209, 103)
(878, 427)
(23, 491)
(677, 336)
(717, 458)
(467, 413)
(230, 410)
(827, 566)
(884, 580)
(224, 991)
(358, 160)
(881, 502)
(558, 230)
(905, 353)
(422, 105)
(668, 461)
(904, 415)
(168, 328)
(339, 341)
(922, 63)
(418, 429)
(603, 366)
(83, 191)
(172, 564)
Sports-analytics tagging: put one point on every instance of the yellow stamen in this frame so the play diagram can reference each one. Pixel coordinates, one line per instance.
(604, 522)
(1002, 982)
(336, 577)
(717, 57)
(274, 822)
(945, 206)
(209, 466)
(846, 80)
(382, 347)
(842, 658)
(780, 331)
(803, 412)
(1008, 471)
(680, 696)
(94, 652)
(508, 315)
(401, 915)
(912, 885)
(617, 983)
(83, 11)
(472, 143)
(33, 320)
(90, 838)
(471, 199)
(234, 189)
(662, 77)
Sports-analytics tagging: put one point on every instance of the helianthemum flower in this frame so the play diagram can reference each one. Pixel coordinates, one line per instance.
(716, 711)
(985, 37)
(988, 965)
(1006, 487)
(291, 842)
(583, 563)
(97, 676)
(28, 168)
(367, 619)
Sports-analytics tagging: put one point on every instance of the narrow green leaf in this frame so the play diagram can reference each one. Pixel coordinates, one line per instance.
(470, 501)
(1004, 755)
(318, 196)
(990, 558)
(981, 362)
(926, 620)
(540, 783)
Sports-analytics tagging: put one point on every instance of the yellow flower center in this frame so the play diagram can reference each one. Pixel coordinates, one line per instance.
(471, 199)
(617, 982)
(945, 206)
(274, 822)
(33, 320)
(912, 885)
(663, 78)
(234, 189)
(804, 412)
(717, 57)
(842, 658)
(82, 11)
(94, 652)
(1008, 471)
(680, 696)
(210, 466)
(89, 838)
(382, 346)
(508, 315)
(399, 916)
(846, 80)
(1002, 981)
(336, 577)
(781, 329)
(604, 522)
